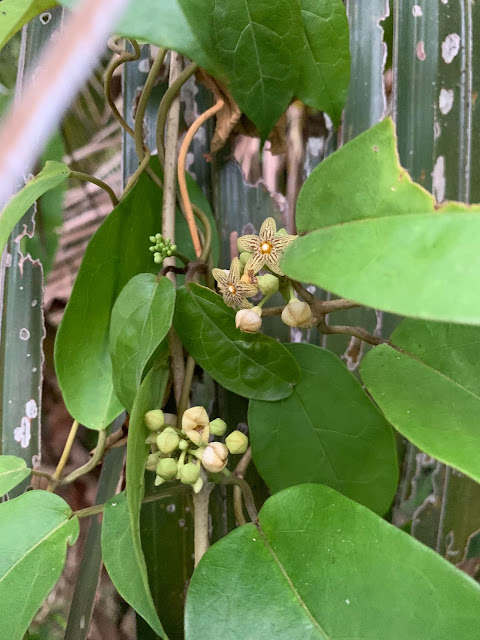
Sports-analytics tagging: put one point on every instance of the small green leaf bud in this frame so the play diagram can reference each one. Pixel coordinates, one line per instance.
(190, 473)
(169, 253)
(159, 480)
(168, 440)
(167, 468)
(154, 419)
(244, 257)
(152, 239)
(248, 320)
(153, 249)
(218, 427)
(157, 258)
(215, 457)
(152, 461)
(282, 232)
(237, 442)
(298, 314)
(198, 485)
(183, 445)
(158, 237)
(173, 247)
(268, 284)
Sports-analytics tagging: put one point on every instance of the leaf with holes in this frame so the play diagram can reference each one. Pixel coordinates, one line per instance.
(328, 431)
(35, 530)
(13, 470)
(141, 318)
(321, 566)
(254, 366)
(430, 391)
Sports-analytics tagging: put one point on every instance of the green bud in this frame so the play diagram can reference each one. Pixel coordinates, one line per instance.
(159, 480)
(154, 419)
(183, 445)
(218, 427)
(190, 473)
(158, 237)
(281, 232)
(167, 468)
(152, 461)
(268, 284)
(152, 249)
(173, 247)
(152, 439)
(198, 485)
(244, 258)
(157, 258)
(237, 442)
(169, 253)
(168, 440)
(152, 239)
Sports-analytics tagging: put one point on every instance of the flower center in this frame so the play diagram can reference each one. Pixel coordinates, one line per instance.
(232, 289)
(266, 247)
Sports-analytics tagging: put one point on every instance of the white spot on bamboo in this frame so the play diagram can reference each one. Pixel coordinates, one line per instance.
(34, 303)
(439, 180)
(24, 334)
(420, 50)
(437, 130)
(22, 434)
(451, 47)
(417, 11)
(446, 101)
(171, 508)
(8, 260)
(31, 410)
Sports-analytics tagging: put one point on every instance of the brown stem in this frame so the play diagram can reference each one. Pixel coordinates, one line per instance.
(357, 332)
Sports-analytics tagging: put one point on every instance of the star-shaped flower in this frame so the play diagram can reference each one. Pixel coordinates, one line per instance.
(266, 248)
(235, 292)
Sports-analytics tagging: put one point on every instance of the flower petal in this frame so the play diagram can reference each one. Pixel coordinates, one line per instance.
(248, 243)
(255, 262)
(272, 261)
(268, 230)
(221, 276)
(234, 271)
(282, 242)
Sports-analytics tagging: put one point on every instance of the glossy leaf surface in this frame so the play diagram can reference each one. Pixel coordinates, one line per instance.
(141, 318)
(254, 366)
(51, 176)
(375, 184)
(328, 431)
(323, 567)
(127, 571)
(35, 529)
(12, 471)
(433, 395)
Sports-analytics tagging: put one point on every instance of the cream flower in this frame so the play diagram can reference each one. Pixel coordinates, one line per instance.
(235, 292)
(266, 248)
(196, 425)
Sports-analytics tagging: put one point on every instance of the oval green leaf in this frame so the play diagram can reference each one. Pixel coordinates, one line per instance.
(51, 176)
(13, 470)
(141, 318)
(125, 567)
(328, 431)
(322, 567)
(402, 264)
(35, 529)
(253, 366)
(430, 391)
(379, 185)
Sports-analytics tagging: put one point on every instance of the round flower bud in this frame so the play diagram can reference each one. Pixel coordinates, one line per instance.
(189, 473)
(168, 441)
(237, 442)
(196, 425)
(244, 257)
(215, 457)
(183, 445)
(298, 314)
(268, 284)
(154, 419)
(281, 232)
(167, 468)
(152, 461)
(248, 321)
(218, 427)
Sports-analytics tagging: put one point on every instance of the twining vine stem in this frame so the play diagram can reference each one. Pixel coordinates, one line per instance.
(52, 485)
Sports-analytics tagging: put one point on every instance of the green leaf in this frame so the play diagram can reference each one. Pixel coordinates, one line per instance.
(328, 431)
(16, 13)
(51, 176)
(430, 391)
(35, 529)
(380, 187)
(254, 366)
(321, 566)
(141, 318)
(126, 569)
(325, 60)
(12, 471)
(402, 264)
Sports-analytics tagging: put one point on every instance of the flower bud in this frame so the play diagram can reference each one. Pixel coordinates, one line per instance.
(218, 427)
(159, 480)
(167, 468)
(244, 257)
(196, 425)
(248, 320)
(198, 485)
(268, 284)
(152, 461)
(183, 445)
(281, 232)
(154, 419)
(168, 440)
(151, 439)
(237, 442)
(215, 457)
(190, 473)
(298, 314)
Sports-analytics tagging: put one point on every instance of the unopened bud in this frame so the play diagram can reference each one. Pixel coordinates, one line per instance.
(168, 440)
(237, 442)
(167, 468)
(183, 445)
(152, 461)
(190, 473)
(298, 314)
(198, 485)
(244, 257)
(268, 284)
(159, 480)
(215, 457)
(248, 320)
(196, 425)
(154, 419)
(151, 439)
(281, 232)
(218, 427)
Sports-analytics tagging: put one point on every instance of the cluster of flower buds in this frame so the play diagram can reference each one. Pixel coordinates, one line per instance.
(161, 248)
(179, 454)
